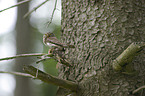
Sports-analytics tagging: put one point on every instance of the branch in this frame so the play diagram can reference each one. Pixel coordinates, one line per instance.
(52, 13)
(127, 55)
(51, 79)
(23, 55)
(43, 59)
(57, 58)
(64, 62)
(34, 9)
(18, 73)
(138, 89)
(19, 3)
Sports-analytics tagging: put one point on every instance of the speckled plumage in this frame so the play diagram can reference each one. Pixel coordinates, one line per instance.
(50, 40)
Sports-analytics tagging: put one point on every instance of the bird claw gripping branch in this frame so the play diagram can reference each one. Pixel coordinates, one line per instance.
(56, 50)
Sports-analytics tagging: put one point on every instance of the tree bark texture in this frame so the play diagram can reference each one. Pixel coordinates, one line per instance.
(101, 30)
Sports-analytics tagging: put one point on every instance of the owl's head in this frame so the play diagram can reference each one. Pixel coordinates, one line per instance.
(47, 35)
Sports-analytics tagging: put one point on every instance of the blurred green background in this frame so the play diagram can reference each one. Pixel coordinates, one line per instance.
(20, 35)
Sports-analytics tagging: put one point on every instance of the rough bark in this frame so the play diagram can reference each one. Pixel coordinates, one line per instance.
(101, 30)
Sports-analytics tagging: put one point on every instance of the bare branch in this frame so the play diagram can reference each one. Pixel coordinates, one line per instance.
(51, 79)
(43, 59)
(18, 73)
(52, 13)
(127, 55)
(34, 9)
(64, 62)
(19, 3)
(23, 55)
(138, 89)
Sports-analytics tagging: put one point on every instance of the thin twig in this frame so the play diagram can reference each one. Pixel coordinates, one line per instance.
(19, 3)
(51, 79)
(64, 62)
(23, 55)
(43, 59)
(34, 9)
(18, 73)
(52, 13)
(138, 89)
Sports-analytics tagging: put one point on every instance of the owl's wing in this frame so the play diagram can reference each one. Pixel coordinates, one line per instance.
(55, 41)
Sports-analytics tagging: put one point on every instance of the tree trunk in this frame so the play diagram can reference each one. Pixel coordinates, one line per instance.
(23, 45)
(101, 30)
